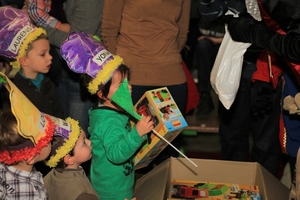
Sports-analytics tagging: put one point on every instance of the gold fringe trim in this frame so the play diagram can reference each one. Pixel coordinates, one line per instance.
(105, 74)
(23, 48)
(68, 145)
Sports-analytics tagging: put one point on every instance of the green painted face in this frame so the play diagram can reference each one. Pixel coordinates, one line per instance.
(122, 98)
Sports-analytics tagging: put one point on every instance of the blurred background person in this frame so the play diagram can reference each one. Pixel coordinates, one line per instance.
(206, 50)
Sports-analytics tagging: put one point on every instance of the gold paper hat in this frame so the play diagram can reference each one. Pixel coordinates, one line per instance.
(31, 124)
(38, 127)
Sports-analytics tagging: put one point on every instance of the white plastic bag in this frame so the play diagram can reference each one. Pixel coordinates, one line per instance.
(226, 72)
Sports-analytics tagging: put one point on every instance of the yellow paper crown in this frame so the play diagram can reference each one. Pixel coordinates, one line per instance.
(31, 124)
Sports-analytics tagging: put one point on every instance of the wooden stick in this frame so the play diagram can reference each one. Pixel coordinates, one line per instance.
(158, 135)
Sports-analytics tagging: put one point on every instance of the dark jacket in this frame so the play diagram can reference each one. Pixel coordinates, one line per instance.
(46, 99)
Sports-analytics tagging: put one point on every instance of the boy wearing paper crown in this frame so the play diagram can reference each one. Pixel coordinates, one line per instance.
(29, 48)
(114, 141)
(25, 136)
(19, 179)
(68, 152)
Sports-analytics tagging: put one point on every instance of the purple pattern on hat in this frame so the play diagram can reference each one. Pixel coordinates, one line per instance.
(84, 54)
(62, 127)
(14, 27)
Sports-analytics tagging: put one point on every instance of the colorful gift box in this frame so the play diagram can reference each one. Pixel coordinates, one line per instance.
(168, 122)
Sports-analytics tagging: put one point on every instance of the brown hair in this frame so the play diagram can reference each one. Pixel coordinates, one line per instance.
(123, 69)
(9, 135)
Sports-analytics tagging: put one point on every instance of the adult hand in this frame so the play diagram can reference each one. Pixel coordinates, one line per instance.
(64, 27)
(240, 28)
(247, 29)
(261, 97)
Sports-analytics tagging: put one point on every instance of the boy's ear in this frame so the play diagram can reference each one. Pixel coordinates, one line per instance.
(100, 94)
(68, 159)
(23, 61)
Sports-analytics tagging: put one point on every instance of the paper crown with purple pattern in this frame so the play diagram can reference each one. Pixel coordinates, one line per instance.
(85, 55)
(16, 33)
(67, 133)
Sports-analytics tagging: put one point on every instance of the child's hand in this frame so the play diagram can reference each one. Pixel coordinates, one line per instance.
(145, 125)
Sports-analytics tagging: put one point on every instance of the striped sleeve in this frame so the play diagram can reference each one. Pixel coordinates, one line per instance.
(38, 11)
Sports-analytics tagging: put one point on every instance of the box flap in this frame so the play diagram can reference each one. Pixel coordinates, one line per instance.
(270, 187)
(213, 171)
(152, 186)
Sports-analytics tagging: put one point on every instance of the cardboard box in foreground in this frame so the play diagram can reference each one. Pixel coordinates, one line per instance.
(186, 189)
(168, 121)
(157, 184)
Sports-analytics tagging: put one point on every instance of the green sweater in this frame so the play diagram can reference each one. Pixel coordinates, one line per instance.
(114, 144)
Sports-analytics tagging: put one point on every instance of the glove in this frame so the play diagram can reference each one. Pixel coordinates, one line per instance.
(240, 28)
(261, 98)
(246, 29)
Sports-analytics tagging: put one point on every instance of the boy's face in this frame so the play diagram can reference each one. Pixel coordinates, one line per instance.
(37, 60)
(82, 149)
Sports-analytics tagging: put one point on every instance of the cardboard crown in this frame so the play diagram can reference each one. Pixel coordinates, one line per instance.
(37, 127)
(16, 32)
(85, 55)
(66, 135)
(31, 124)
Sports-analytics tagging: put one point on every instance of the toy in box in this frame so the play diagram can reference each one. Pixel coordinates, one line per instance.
(212, 191)
(168, 122)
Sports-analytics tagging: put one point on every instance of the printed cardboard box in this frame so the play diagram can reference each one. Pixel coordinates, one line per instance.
(212, 191)
(158, 184)
(168, 122)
